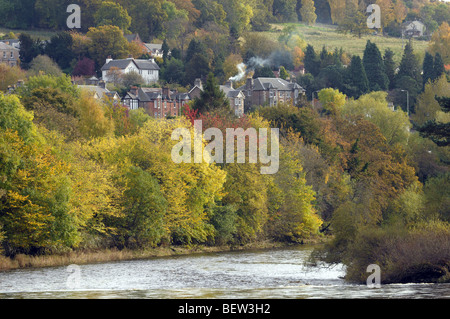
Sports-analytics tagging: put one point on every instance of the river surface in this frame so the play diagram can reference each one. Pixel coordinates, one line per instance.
(278, 273)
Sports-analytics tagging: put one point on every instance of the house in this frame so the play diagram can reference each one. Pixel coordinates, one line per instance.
(100, 92)
(197, 89)
(15, 43)
(133, 38)
(8, 54)
(157, 102)
(235, 97)
(148, 69)
(154, 49)
(414, 29)
(270, 91)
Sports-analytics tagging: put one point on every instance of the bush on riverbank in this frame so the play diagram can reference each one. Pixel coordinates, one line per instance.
(420, 254)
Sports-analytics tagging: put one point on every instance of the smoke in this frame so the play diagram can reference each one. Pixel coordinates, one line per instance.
(242, 68)
(275, 60)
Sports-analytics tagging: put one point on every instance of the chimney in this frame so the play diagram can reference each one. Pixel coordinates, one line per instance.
(109, 59)
(134, 90)
(249, 84)
(229, 84)
(130, 56)
(198, 82)
(166, 92)
(152, 60)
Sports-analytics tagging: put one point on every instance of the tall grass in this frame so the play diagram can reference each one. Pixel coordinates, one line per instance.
(320, 35)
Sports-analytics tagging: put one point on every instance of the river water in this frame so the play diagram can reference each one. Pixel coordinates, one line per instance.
(278, 273)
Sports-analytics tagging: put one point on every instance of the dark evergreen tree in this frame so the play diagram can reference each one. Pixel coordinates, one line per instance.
(428, 69)
(311, 61)
(374, 67)
(357, 78)
(438, 132)
(29, 49)
(438, 67)
(165, 49)
(389, 67)
(212, 97)
(409, 65)
(60, 49)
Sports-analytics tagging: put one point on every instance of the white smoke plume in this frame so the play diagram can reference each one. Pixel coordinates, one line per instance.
(243, 68)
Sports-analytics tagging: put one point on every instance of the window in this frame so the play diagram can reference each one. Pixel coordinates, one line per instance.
(12, 55)
(4, 55)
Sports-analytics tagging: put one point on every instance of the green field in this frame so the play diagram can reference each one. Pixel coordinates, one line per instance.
(35, 34)
(321, 34)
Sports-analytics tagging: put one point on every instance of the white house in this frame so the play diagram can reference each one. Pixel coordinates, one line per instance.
(148, 69)
(414, 28)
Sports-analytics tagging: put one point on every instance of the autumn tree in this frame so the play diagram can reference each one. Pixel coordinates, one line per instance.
(308, 12)
(107, 41)
(440, 42)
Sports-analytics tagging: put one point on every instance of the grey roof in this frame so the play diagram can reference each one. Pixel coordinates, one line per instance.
(263, 84)
(153, 46)
(120, 64)
(146, 65)
(94, 89)
(229, 92)
(4, 46)
(123, 63)
(132, 37)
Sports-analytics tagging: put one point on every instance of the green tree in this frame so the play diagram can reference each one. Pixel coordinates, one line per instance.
(409, 65)
(357, 77)
(311, 61)
(389, 67)
(428, 69)
(60, 49)
(354, 21)
(308, 12)
(111, 13)
(374, 67)
(44, 64)
(438, 132)
(212, 97)
(107, 41)
(438, 67)
(144, 209)
(332, 100)
(29, 49)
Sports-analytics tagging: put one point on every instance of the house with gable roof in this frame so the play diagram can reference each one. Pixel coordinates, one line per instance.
(148, 69)
(270, 91)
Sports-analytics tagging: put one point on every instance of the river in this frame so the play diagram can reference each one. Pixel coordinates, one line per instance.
(276, 273)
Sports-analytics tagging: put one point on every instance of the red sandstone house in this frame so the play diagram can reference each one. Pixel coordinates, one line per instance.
(157, 102)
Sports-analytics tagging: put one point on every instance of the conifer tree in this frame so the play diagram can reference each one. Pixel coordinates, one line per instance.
(428, 69)
(212, 97)
(374, 67)
(357, 77)
(438, 66)
(389, 66)
(311, 61)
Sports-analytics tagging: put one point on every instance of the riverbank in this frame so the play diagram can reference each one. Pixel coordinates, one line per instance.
(81, 257)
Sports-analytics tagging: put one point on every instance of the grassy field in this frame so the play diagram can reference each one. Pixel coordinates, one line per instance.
(321, 34)
(35, 34)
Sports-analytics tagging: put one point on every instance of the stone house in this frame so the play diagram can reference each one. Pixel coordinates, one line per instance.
(8, 54)
(270, 92)
(235, 97)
